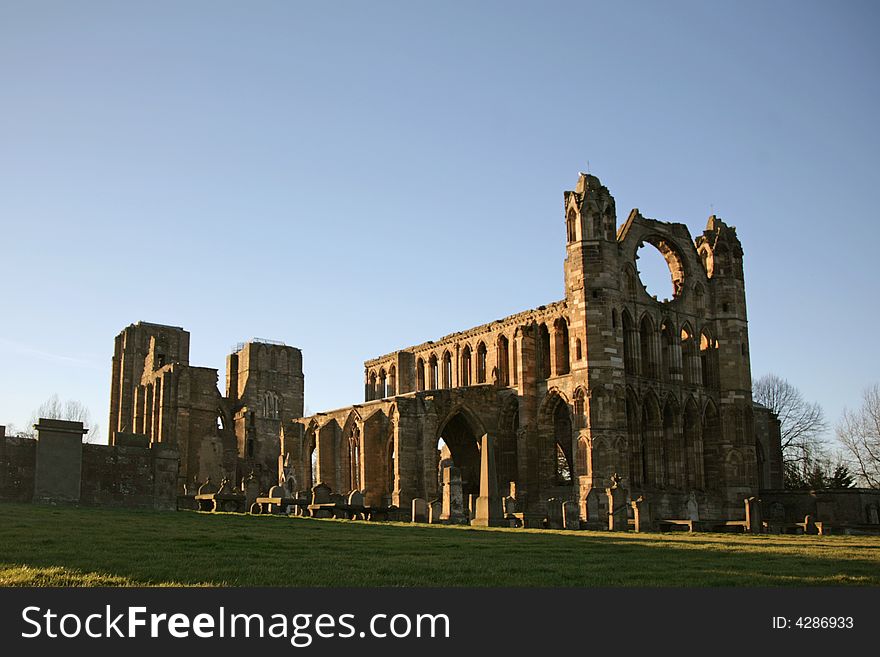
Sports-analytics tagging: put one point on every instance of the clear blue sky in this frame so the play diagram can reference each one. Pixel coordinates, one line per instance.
(351, 178)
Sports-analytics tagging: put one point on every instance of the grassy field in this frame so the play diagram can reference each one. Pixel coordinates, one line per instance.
(47, 546)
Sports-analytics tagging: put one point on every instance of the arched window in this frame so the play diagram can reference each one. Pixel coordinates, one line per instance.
(466, 365)
(690, 361)
(630, 345)
(544, 351)
(392, 381)
(270, 405)
(354, 458)
(577, 349)
(503, 361)
(709, 359)
(563, 439)
(435, 374)
(671, 369)
(390, 458)
(579, 408)
(562, 357)
(371, 389)
(570, 225)
(647, 342)
(513, 366)
(420, 374)
(582, 457)
(481, 363)
(447, 370)
(382, 391)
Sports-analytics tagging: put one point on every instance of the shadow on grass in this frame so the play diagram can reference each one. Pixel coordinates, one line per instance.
(88, 547)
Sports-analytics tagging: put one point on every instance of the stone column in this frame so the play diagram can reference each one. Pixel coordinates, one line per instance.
(488, 511)
(452, 510)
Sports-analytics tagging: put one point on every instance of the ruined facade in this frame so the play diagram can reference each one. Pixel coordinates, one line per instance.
(156, 392)
(607, 380)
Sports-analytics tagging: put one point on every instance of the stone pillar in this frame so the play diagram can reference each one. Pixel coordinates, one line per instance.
(488, 505)
(58, 472)
(617, 503)
(452, 510)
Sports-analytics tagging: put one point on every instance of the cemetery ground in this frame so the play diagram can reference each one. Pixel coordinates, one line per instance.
(65, 546)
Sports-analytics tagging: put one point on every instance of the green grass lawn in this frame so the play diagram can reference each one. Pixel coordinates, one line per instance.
(55, 546)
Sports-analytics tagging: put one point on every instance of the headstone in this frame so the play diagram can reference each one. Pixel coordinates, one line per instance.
(356, 499)
(419, 510)
(777, 511)
(693, 509)
(617, 516)
(810, 525)
(453, 498)
(570, 515)
(554, 513)
(642, 514)
(509, 505)
(488, 505)
(58, 471)
(754, 523)
(826, 510)
(207, 488)
(251, 488)
(435, 508)
(321, 494)
(278, 491)
(873, 513)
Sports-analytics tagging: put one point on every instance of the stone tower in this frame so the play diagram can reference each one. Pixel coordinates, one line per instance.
(169, 344)
(265, 389)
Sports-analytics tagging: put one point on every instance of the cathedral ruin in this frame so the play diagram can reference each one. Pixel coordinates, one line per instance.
(607, 381)
(609, 408)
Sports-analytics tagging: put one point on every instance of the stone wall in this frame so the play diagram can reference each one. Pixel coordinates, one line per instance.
(130, 474)
(849, 506)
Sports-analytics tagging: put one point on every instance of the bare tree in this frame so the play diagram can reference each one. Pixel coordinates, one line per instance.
(802, 423)
(859, 431)
(54, 409)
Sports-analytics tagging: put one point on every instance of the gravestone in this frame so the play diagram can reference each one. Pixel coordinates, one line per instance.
(826, 510)
(642, 514)
(754, 524)
(419, 510)
(570, 515)
(356, 499)
(509, 505)
(453, 499)
(617, 516)
(873, 514)
(810, 525)
(58, 471)
(693, 509)
(554, 513)
(251, 488)
(487, 511)
(321, 494)
(435, 508)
